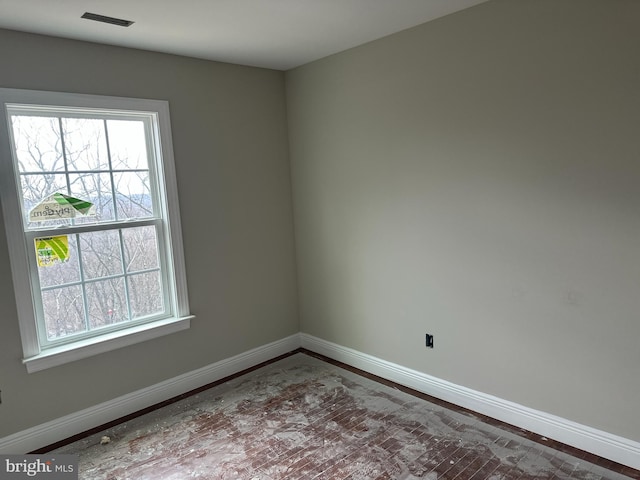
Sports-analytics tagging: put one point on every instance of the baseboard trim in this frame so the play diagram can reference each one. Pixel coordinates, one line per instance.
(75, 423)
(597, 442)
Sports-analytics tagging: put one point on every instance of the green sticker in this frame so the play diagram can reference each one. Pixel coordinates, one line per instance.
(51, 250)
(60, 206)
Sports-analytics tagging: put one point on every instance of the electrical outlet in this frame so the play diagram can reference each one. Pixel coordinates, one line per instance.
(429, 341)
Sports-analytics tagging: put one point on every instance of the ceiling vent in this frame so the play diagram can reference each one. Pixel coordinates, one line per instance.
(105, 19)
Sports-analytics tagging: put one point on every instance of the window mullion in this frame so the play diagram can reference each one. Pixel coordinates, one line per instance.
(98, 227)
(85, 302)
(113, 184)
(126, 276)
(114, 170)
(64, 156)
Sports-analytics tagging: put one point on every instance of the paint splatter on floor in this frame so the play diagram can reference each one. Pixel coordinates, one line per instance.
(303, 418)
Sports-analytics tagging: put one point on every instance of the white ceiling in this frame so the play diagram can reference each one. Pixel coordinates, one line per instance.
(279, 34)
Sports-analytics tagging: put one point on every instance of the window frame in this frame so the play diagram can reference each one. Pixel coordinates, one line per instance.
(38, 356)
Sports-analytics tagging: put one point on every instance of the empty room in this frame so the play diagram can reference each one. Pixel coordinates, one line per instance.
(300, 239)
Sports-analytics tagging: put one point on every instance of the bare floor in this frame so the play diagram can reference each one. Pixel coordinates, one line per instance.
(303, 418)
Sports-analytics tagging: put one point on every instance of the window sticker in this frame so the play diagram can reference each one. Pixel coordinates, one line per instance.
(52, 250)
(59, 206)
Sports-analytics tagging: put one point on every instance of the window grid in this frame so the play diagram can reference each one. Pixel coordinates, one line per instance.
(118, 218)
(154, 154)
(83, 282)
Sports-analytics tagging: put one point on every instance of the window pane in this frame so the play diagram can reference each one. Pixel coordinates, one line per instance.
(127, 145)
(101, 255)
(85, 144)
(133, 195)
(62, 272)
(140, 248)
(106, 302)
(35, 189)
(38, 144)
(63, 311)
(94, 188)
(145, 294)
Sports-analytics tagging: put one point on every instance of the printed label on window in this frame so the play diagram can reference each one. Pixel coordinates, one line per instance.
(51, 250)
(59, 206)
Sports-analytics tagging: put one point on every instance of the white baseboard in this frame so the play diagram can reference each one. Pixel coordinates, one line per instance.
(75, 423)
(603, 444)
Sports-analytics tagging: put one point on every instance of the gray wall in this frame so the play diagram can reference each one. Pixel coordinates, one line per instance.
(477, 178)
(231, 151)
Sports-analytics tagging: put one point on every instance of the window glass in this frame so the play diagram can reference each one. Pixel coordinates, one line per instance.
(127, 145)
(85, 145)
(140, 248)
(63, 311)
(89, 189)
(37, 143)
(89, 280)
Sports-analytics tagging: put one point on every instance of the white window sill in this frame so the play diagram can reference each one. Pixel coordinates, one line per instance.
(105, 343)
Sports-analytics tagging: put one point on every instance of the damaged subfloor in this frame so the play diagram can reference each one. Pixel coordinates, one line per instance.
(304, 418)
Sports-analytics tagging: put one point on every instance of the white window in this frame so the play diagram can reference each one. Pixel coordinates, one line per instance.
(90, 202)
